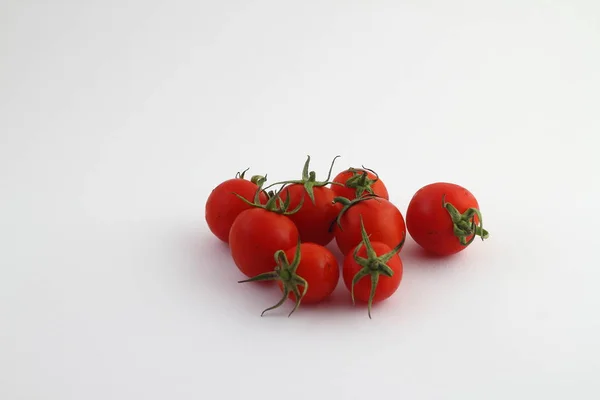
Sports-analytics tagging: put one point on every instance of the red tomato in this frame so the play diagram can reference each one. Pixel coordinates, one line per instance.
(382, 219)
(373, 271)
(306, 273)
(313, 219)
(223, 206)
(358, 182)
(444, 218)
(319, 267)
(256, 235)
(317, 208)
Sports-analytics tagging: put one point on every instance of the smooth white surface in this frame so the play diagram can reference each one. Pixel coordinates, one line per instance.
(118, 118)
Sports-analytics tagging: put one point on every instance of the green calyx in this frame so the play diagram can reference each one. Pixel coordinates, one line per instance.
(240, 175)
(285, 272)
(260, 180)
(274, 202)
(309, 179)
(360, 181)
(465, 224)
(347, 204)
(256, 179)
(373, 265)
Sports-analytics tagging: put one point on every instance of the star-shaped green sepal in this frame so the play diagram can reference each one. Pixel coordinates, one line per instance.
(309, 179)
(373, 265)
(360, 181)
(285, 272)
(274, 202)
(464, 224)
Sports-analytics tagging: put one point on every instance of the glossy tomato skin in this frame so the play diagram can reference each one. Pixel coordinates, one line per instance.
(382, 219)
(319, 267)
(313, 220)
(429, 223)
(378, 187)
(223, 207)
(386, 286)
(256, 235)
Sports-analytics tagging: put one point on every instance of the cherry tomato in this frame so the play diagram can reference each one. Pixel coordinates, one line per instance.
(318, 209)
(382, 219)
(373, 271)
(305, 273)
(319, 267)
(313, 219)
(444, 218)
(256, 235)
(358, 182)
(223, 206)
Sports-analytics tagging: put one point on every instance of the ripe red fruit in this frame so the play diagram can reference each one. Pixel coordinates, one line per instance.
(318, 210)
(313, 268)
(373, 272)
(444, 218)
(257, 233)
(382, 220)
(223, 206)
(355, 182)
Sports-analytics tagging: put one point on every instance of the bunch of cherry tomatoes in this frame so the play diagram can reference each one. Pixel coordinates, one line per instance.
(279, 232)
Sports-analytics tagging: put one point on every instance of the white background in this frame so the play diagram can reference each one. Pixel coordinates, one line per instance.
(117, 118)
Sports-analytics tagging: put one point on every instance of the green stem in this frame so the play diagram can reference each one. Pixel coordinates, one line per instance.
(258, 179)
(285, 272)
(360, 181)
(373, 265)
(274, 202)
(308, 180)
(240, 175)
(479, 231)
(347, 205)
(465, 225)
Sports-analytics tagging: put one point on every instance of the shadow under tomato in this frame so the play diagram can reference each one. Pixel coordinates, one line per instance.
(219, 246)
(338, 302)
(413, 254)
(332, 246)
